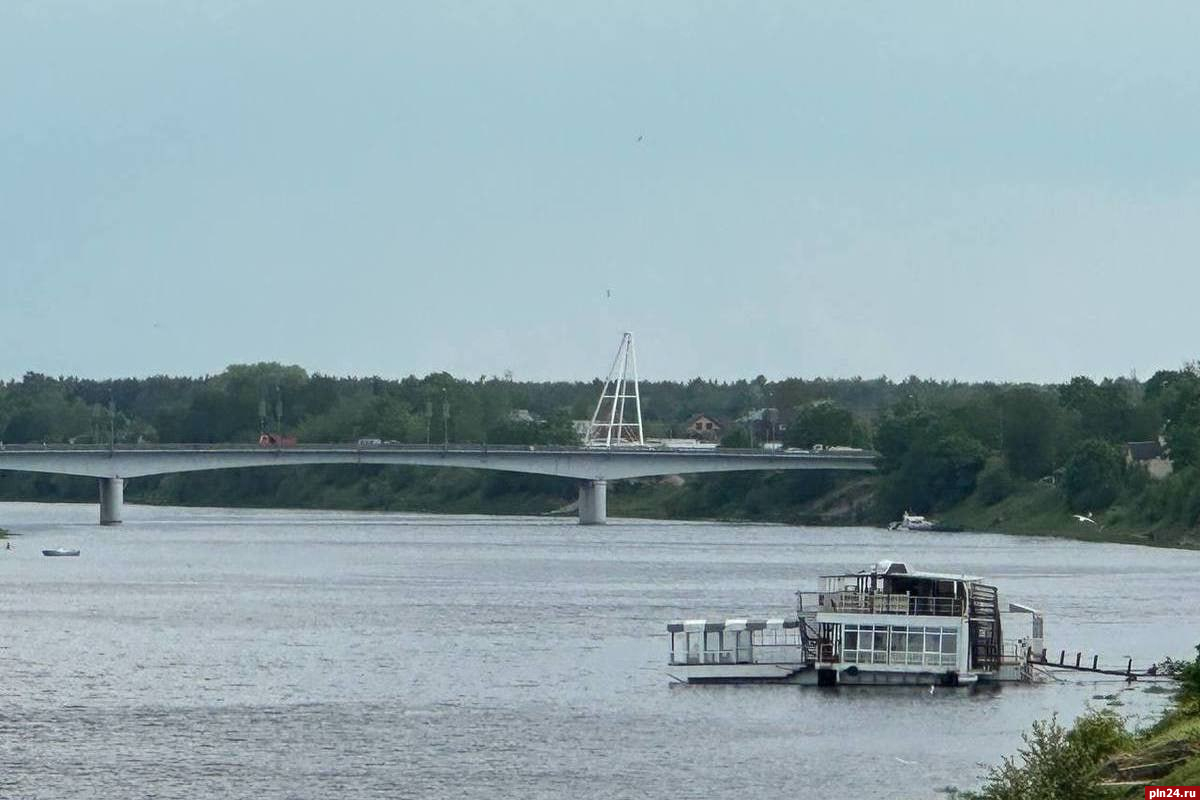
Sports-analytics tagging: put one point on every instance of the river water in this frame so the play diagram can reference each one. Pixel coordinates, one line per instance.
(197, 653)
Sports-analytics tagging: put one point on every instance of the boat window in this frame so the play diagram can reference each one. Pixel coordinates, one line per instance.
(712, 641)
(743, 646)
(898, 644)
(865, 644)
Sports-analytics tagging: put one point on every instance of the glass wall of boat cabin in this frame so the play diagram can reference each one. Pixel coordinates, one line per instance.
(928, 646)
(687, 643)
(735, 643)
(776, 642)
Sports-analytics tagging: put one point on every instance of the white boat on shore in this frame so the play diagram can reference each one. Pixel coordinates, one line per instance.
(913, 522)
(60, 551)
(887, 625)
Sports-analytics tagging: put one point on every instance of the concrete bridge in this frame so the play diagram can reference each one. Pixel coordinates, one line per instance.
(593, 467)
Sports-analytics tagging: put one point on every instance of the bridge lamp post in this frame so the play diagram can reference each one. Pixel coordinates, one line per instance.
(278, 418)
(445, 420)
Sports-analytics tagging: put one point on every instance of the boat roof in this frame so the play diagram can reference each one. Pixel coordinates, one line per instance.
(900, 568)
(677, 626)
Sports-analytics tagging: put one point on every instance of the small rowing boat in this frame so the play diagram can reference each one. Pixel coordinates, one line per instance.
(60, 551)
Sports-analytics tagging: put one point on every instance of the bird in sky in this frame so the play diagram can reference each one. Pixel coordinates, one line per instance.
(1085, 519)
(639, 137)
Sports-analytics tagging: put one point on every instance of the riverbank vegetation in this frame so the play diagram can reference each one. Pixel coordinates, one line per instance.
(1098, 759)
(1018, 458)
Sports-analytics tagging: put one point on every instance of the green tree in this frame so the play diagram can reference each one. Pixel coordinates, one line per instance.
(1104, 410)
(1183, 436)
(736, 438)
(995, 483)
(1093, 476)
(1172, 391)
(824, 422)
(1057, 764)
(40, 409)
(1029, 420)
(556, 430)
(1188, 676)
(927, 462)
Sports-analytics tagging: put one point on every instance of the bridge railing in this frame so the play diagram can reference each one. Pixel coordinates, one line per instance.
(456, 447)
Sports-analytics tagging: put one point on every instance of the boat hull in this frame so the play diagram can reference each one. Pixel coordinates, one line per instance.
(737, 673)
(59, 553)
(812, 675)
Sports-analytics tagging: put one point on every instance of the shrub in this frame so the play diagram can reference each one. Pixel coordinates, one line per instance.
(1093, 476)
(1188, 675)
(995, 483)
(1056, 763)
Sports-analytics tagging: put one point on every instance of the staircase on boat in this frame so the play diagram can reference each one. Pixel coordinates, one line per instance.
(984, 619)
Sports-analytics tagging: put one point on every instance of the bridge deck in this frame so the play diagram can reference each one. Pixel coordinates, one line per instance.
(589, 463)
(592, 466)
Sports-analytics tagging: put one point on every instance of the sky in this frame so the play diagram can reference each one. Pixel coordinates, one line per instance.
(952, 190)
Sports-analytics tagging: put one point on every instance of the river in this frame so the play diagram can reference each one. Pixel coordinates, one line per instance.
(196, 653)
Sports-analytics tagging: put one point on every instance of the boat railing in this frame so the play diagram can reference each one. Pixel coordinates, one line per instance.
(851, 602)
(1011, 652)
(778, 653)
(759, 654)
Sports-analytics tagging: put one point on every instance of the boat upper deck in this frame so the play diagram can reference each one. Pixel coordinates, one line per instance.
(852, 602)
(889, 587)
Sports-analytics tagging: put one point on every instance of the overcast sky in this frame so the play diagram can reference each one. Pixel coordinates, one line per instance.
(1003, 191)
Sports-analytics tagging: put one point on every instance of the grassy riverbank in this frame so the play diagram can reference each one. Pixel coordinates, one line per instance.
(1166, 755)
(1040, 510)
(1032, 509)
(1097, 758)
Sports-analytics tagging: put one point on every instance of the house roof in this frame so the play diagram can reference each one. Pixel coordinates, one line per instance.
(759, 415)
(1144, 451)
(522, 415)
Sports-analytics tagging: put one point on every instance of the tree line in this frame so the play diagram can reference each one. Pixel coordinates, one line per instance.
(940, 442)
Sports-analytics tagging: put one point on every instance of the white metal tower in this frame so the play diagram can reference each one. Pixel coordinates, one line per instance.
(609, 427)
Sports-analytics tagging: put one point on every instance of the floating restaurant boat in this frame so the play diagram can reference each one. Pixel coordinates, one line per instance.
(885, 625)
(60, 551)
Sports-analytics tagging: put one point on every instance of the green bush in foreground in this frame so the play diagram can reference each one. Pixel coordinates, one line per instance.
(1188, 675)
(1056, 763)
(1061, 764)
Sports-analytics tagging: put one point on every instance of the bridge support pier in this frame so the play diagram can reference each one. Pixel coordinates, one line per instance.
(593, 502)
(112, 499)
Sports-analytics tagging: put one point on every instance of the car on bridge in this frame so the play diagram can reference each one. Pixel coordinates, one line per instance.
(276, 440)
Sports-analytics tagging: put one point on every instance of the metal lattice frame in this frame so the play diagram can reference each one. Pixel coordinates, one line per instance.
(609, 428)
